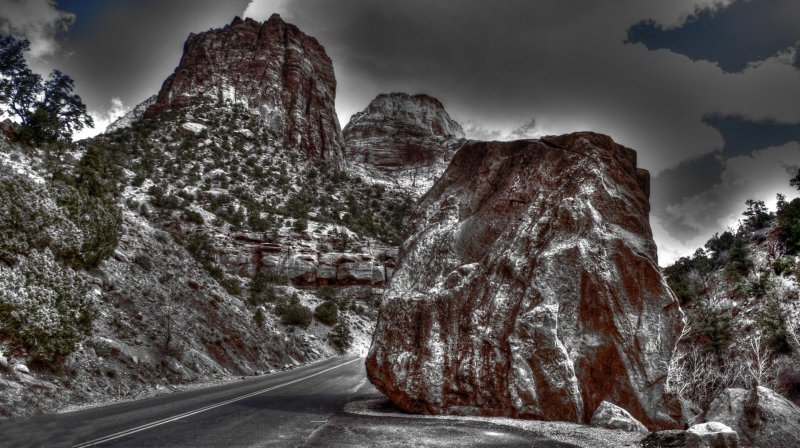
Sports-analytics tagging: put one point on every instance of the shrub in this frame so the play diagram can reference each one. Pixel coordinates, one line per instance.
(143, 261)
(232, 285)
(327, 312)
(773, 321)
(783, 265)
(192, 216)
(340, 337)
(261, 287)
(30, 220)
(789, 225)
(259, 317)
(300, 225)
(326, 293)
(714, 325)
(79, 229)
(99, 221)
(45, 308)
(296, 314)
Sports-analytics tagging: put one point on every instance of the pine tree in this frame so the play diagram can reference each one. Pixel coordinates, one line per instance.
(47, 111)
(340, 336)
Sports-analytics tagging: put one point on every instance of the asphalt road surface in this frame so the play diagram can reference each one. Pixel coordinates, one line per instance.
(301, 407)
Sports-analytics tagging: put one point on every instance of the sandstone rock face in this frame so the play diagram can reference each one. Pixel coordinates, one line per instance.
(273, 68)
(611, 416)
(530, 288)
(760, 416)
(411, 137)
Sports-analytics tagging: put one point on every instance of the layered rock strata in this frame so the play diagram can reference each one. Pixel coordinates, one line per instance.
(271, 67)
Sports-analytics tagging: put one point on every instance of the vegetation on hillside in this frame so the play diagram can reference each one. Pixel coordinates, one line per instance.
(740, 294)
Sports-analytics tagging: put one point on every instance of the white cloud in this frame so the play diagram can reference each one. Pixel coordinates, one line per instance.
(759, 176)
(262, 9)
(103, 119)
(39, 21)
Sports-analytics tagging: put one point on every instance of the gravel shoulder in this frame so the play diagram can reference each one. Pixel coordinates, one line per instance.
(373, 421)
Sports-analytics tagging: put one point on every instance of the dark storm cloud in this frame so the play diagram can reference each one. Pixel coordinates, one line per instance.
(742, 136)
(686, 180)
(735, 36)
(503, 70)
(125, 49)
(552, 66)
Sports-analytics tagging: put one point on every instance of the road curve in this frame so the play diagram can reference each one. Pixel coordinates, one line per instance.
(281, 409)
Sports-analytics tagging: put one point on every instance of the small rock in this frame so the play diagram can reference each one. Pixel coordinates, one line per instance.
(4, 384)
(611, 416)
(19, 367)
(711, 435)
(33, 383)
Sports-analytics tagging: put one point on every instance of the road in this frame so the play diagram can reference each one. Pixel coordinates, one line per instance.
(299, 402)
(301, 407)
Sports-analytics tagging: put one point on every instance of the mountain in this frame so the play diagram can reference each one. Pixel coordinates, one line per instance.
(409, 138)
(132, 116)
(530, 288)
(271, 68)
(215, 235)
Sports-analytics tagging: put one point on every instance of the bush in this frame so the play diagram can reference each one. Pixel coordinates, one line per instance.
(79, 229)
(789, 225)
(714, 325)
(300, 225)
(99, 221)
(192, 216)
(296, 314)
(326, 293)
(259, 317)
(45, 308)
(340, 337)
(143, 261)
(261, 287)
(30, 220)
(232, 285)
(327, 312)
(773, 320)
(783, 265)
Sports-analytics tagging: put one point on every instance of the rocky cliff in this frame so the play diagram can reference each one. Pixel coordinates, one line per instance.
(530, 288)
(272, 68)
(410, 137)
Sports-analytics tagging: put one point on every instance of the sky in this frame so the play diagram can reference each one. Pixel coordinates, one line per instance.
(706, 91)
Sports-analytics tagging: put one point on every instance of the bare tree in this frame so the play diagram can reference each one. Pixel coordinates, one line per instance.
(759, 360)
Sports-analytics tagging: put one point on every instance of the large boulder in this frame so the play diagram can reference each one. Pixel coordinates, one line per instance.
(271, 68)
(711, 435)
(760, 416)
(611, 416)
(530, 288)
